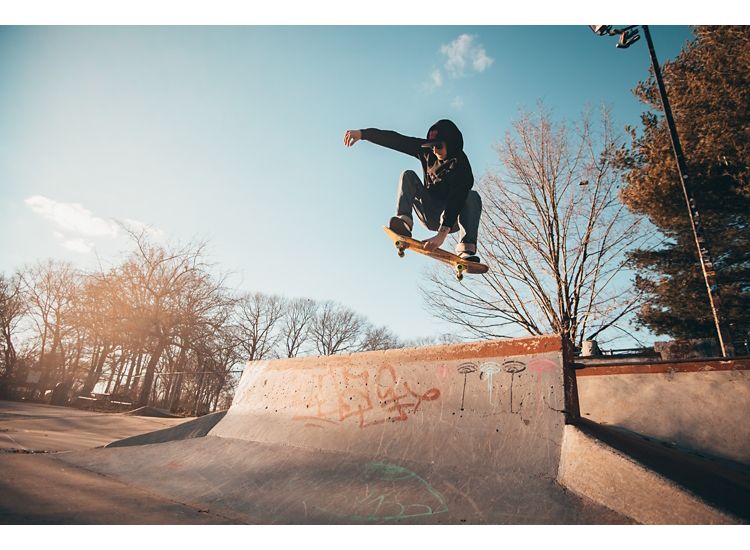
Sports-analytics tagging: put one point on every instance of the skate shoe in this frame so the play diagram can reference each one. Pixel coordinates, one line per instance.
(469, 257)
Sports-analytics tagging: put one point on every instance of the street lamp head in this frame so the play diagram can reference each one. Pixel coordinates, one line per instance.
(628, 38)
(628, 35)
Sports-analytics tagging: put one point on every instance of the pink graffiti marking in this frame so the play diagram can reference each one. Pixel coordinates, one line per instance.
(391, 402)
(354, 400)
(542, 365)
(389, 397)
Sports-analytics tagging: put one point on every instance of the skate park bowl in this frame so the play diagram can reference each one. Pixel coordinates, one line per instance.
(480, 433)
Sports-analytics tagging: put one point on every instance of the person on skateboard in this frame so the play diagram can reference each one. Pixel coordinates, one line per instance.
(445, 202)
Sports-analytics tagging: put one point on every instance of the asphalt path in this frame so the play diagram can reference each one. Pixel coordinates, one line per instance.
(37, 488)
(36, 428)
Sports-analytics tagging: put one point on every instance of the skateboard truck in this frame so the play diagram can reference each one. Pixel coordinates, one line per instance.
(401, 246)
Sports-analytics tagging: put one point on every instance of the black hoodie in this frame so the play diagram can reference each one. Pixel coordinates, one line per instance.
(449, 180)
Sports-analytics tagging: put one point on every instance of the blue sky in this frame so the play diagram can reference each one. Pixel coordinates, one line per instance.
(234, 135)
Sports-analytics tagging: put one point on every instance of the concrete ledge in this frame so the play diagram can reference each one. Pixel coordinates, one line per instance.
(602, 366)
(530, 345)
(592, 469)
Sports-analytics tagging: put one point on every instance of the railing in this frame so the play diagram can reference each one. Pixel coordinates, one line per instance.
(631, 352)
(741, 349)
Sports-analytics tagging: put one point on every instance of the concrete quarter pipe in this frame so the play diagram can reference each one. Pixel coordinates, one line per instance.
(468, 433)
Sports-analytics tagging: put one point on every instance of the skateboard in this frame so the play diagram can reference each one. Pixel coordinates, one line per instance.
(460, 266)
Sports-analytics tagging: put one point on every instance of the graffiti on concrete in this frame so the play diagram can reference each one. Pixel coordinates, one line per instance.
(377, 395)
(513, 367)
(393, 493)
(466, 369)
(488, 370)
(344, 393)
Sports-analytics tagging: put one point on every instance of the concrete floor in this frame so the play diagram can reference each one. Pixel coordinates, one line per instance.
(50, 473)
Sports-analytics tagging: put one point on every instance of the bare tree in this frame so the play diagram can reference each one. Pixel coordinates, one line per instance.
(169, 288)
(378, 338)
(51, 289)
(214, 356)
(12, 310)
(298, 317)
(336, 329)
(554, 234)
(97, 318)
(258, 322)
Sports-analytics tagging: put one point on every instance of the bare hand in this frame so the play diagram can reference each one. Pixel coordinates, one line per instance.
(351, 137)
(433, 243)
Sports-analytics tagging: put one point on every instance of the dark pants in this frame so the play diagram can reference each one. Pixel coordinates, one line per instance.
(412, 194)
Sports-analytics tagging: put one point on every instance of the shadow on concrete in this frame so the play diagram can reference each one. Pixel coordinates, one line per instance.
(720, 482)
(188, 430)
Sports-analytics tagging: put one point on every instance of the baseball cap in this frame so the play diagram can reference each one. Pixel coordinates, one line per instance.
(443, 131)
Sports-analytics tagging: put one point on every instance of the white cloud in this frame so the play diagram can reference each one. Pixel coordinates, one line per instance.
(457, 102)
(437, 78)
(481, 61)
(75, 225)
(464, 53)
(71, 217)
(78, 245)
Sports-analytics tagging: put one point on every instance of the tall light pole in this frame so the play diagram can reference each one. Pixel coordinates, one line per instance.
(629, 35)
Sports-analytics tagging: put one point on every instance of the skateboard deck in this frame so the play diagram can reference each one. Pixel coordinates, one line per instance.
(460, 266)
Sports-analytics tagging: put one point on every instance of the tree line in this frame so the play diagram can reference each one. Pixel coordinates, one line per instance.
(160, 329)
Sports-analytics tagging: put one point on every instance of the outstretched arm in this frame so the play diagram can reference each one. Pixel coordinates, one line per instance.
(386, 138)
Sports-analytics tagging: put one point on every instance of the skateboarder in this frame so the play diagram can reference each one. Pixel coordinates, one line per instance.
(445, 202)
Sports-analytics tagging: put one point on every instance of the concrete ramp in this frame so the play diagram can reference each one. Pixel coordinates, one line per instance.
(468, 433)
(496, 405)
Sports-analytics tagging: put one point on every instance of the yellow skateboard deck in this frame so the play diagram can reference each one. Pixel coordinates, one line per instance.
(460, 266)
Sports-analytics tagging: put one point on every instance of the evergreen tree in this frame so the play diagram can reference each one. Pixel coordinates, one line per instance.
(708, 86)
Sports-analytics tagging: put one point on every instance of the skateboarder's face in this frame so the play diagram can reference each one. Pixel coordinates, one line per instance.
(440, 150)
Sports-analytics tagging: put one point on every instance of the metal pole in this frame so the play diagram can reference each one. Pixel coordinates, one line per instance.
(709, 275)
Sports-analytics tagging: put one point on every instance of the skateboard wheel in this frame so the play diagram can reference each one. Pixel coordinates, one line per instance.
(459, 276)
(400, 253)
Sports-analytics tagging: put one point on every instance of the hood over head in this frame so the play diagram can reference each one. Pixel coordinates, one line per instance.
(445, 130)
